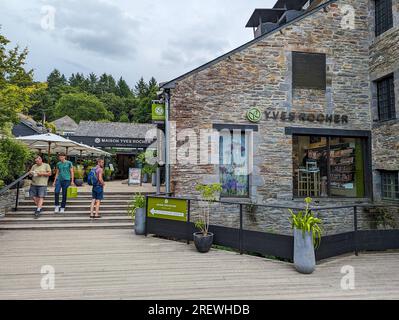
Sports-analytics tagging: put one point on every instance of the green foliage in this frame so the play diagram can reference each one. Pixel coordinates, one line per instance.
(137, 203)
(209, 194)
(17, 88)
(13, 158)
(124, 118)
(82, 106)
(79, 172)
(307, 222)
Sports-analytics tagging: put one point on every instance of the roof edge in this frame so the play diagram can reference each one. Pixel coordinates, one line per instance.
(172, 83)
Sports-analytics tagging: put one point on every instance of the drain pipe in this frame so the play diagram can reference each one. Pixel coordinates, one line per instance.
(167, 142)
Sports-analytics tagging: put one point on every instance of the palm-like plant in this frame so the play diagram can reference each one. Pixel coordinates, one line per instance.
(307, 222)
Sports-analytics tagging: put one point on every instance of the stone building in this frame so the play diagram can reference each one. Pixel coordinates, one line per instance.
(307, 108)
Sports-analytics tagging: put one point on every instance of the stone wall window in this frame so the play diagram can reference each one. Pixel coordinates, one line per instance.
(233, 163)
(386, 98)
(308, 70)
(328, 166)
(390, 185)
(383, 16)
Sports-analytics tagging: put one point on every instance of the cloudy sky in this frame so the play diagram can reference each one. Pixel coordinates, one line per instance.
(128, 38)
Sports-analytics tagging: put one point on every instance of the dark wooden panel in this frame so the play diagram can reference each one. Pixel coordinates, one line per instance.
(335, 245)
(168, 228)
(281, 246)
(378, 239)
(308, 70)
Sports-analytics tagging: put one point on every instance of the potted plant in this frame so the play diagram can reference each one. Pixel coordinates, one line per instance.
(203, 239)
(146, 173)
(107, 174)
(79, 175)
(136, 210)
(307, 237)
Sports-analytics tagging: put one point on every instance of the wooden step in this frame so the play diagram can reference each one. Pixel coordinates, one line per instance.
(66, 225)
(64, 219)
(50, 202)
(27, 214)
(72, 208)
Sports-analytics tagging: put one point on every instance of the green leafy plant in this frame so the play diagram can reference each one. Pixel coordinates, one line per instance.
(209, 193)
(79, 172)
(307, 222)
(107, 173)
(137, 203)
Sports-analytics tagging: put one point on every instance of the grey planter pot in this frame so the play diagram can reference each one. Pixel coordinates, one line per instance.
(203, 243)
(154, 179)
(145, 178)
(79, 182)
(304, 255)
(139, 221)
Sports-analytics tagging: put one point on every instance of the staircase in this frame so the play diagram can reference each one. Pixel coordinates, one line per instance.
(113, 212)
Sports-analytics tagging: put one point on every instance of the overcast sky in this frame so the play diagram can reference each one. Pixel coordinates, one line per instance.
(128, 38)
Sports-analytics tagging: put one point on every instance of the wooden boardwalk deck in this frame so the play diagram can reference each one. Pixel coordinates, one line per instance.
(116, 264)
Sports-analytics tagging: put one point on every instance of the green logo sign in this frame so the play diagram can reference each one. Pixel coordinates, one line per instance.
(254, 115)
(170, 209)
(158, 112)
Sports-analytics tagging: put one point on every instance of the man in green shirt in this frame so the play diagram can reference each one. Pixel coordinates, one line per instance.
(64, 177)
(40, 173)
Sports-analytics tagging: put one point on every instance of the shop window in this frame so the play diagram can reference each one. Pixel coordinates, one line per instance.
(328, 166)
(386, 98)
(308, 70)
(390, 185)
(233, 163)
(383, 16)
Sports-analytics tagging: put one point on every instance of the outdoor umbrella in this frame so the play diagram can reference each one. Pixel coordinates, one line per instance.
(56, 144)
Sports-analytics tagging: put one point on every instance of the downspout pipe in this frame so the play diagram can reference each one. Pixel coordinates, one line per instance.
(167, 141)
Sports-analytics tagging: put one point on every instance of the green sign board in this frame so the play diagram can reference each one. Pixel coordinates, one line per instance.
(254, 115)
(170, 209)
(158, 112)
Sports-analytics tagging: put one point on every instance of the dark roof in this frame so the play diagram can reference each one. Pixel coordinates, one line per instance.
(113, 129)
(264, 15)
(65, 124)
(290, 4)
(170, 84)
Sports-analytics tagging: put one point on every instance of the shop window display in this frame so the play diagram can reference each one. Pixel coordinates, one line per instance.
(328, 166)
(233, 159)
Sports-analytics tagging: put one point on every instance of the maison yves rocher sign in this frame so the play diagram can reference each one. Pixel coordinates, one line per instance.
(275, 115)
(112, 142)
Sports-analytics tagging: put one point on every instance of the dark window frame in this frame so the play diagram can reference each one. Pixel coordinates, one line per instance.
(305, 72)
(383, 16)
(392, 176)
(386, 98)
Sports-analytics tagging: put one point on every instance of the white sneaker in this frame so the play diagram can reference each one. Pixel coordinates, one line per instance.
(57, 209)
(62, 210)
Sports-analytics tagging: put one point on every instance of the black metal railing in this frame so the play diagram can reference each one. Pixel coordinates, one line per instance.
(350, 240)
(17, 184)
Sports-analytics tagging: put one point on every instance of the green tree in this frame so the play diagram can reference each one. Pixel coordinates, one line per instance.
(124, 118)
(141, 88)
(82, 106)
(114, 104)
(123, 89)
(13, 158)
(16, 84)
(56, 80)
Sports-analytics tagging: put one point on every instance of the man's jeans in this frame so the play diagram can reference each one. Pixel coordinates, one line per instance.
(64, 184)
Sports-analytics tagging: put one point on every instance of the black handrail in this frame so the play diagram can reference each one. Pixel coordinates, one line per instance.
(314, 208)
(12, 184)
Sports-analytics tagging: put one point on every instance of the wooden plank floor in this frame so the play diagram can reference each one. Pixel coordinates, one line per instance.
(116, 264)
